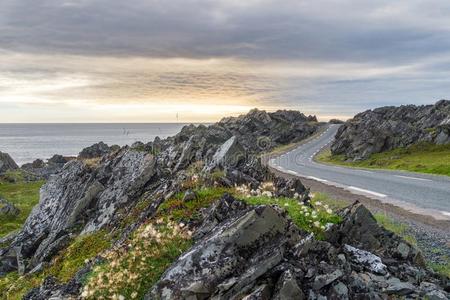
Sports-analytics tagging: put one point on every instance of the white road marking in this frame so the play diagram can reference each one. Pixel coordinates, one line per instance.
(292, 172)
(365, 171)
(415, 178)
(317, 179)
(367, 191)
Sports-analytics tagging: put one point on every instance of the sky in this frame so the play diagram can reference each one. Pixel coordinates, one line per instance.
(198, 60)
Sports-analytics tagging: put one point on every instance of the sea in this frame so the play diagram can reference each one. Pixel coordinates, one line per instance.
(27, 142)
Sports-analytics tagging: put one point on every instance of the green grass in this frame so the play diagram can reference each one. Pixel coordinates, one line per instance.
(179, 210)
(300, 214)
(421, 158)
(443, 269)
(63, 267)
(398, 228)
(24, 195)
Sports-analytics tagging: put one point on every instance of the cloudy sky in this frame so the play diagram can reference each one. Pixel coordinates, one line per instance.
(147, 60)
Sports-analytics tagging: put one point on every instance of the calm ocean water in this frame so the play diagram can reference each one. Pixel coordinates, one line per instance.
(27, 142)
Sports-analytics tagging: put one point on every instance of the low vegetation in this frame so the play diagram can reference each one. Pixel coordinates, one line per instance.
(24, 195)
(398, 228)
(422, 158)
(63, 267)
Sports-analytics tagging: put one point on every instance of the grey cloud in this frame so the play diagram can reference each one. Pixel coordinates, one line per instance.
(322, 30)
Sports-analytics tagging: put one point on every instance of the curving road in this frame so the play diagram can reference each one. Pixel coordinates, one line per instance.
(425, 194)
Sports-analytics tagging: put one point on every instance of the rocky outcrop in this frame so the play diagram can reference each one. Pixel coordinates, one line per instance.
(391, 127)
(45, 169)
(247, 252)
(7, 163)
(97, 150)
(80, 197)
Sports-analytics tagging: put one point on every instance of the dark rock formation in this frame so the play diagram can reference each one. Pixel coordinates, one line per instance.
(81, 197)
(245, 252)
(97, 150)
(7, 163)
(390, 127)
(45, 169)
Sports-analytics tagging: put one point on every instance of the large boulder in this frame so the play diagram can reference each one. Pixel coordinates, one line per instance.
(7, 163)
(391, 127)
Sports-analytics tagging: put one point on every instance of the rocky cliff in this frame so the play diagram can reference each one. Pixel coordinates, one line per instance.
(391, 127)
(7, 163)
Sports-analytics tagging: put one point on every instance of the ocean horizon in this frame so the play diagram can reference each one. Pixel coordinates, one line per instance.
(26, 142)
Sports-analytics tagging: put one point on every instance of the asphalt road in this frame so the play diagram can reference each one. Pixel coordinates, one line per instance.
(420, 193)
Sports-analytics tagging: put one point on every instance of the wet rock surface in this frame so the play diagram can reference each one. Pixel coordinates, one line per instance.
(391, 127)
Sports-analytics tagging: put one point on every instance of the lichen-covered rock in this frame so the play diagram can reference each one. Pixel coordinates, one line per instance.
(391, 127)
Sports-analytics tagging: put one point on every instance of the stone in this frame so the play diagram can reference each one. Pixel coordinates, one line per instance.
(96, 150)
(288, 288)
(323, 280)
(189, 195)
(8, 209)
(7, 163)
(339, 291)
(390, 127)
(398, 287)
(403, 250)
(370, 261)
(229, 154)
(436, 295)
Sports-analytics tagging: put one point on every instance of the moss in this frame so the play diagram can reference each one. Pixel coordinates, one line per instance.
(421, 158)
(70, 260)
(179, 210)
(24, 195)
(63, 267)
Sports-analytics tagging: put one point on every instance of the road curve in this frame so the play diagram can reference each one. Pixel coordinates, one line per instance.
(420, 193)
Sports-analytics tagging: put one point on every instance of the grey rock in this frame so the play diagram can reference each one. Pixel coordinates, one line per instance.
(262, 292)
(8, 209)
(339, 291)
(323, 280)
(218, 255)
(403, 250)
(288, 288)
(398, 287)
(436, 295)
(189, 195)
(77, 196)
(7, 163)
(97, 150)
(391, 127)
(370, 261)
(229, 154)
